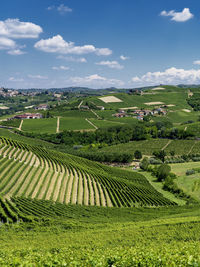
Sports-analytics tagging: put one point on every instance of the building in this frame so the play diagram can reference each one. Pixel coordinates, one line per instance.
(42, 107)
(28, 116)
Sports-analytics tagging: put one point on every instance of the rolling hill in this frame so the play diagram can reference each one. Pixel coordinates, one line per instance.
(29, 172)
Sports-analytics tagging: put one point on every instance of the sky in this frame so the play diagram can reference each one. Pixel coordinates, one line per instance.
(99, 43)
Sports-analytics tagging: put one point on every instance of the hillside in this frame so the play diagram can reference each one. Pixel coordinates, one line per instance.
(35, 173)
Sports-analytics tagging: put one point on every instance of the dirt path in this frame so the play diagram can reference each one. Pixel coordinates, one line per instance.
(191, 148)
(75, 188)
(98, 117)
(91, 192)
(57, 188)
(108, 200)
(80, 104)
(20, 126)
(69, 189)
(165, 146)
(92, 124)
(58, 125)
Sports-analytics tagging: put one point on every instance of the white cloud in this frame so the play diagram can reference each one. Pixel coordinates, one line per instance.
(169, 76)
(123, 57)
(16, 52)
(196, 62)
(96, 81)
(6, 43)
(13, 79)
(61, 68)
(110, 64)
(57, 44)
(14, 28)
(50, 8)
(178, 16)
(73, 59)
(40, 77)
(62, 9)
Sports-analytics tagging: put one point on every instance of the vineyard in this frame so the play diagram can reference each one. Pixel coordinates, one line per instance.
(29, 173)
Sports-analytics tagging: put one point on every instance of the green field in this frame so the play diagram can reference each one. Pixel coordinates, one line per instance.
(189, 184)
(74, 123)
(40, 125)
(90, 236)
(147, 147)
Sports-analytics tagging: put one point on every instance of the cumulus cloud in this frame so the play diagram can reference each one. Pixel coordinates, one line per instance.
(61, 68)
(40, 77)
(110, 64)
(57, 44)
(96, 81)
(73, 59)
(6, 43)
(169, 76)
(123, 57)
(182, 16)
(14, 28)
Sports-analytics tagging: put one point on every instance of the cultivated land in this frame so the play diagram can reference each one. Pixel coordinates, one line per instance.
(57, 209)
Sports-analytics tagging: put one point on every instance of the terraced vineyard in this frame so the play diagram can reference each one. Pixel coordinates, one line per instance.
(29, 172)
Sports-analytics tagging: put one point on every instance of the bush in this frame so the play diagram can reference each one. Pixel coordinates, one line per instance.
(144, 164)
(137, 154)
(190, 172)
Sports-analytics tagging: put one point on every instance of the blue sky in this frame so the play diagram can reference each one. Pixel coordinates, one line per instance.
(101, 43)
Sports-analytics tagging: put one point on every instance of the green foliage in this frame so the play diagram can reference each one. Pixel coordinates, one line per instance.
(163, 172)
(137, 154)
(160, 155)
(144, 164)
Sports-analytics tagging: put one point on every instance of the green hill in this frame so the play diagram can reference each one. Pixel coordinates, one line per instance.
(31, 172)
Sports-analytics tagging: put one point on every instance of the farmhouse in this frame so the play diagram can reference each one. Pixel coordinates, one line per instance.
(28, 116)
(42, 107)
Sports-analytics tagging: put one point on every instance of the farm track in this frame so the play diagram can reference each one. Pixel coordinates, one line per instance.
(91, 124)
(165, 146)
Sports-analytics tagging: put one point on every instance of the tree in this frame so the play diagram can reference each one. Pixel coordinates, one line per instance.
(172, 153)
(163, 172)
(160, 155)
(137, 154)
(144, 164)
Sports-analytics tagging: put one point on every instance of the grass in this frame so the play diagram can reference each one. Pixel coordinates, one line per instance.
(40, 125)
(189, 184)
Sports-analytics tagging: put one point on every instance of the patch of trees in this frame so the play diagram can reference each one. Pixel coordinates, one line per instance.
(194, 101)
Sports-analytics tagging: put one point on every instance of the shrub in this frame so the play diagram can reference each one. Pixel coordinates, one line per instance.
(190, 172)
(137, 154)
(144, 164)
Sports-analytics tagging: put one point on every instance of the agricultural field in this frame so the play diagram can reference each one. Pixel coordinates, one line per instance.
(40, 125)
(74, 123)
(147, 147)
(83, 236)
(33, 172)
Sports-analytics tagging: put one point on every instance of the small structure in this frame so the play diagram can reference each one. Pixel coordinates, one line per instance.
(100, 107)
(28, 116)
(42, 107)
